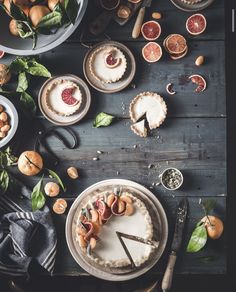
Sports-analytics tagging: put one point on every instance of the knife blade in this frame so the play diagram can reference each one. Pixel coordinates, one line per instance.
(181, 216)
(140, 17)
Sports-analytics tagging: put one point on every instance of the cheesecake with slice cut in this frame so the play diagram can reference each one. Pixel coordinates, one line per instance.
(139, 128)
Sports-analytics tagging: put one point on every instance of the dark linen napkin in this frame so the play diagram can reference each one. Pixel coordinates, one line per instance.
(24, 235)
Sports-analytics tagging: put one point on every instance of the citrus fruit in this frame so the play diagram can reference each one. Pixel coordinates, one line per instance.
(30, 163)
(151, 30)
(111, 61)
(175, 44)
(152, 52)
(169, 89)
(196, 24)
(179, 56)
(67, 96)
(214, 226)
(2, 54)
(200, 81)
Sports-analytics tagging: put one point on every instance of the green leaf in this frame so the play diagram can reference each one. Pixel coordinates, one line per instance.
(36, 69)
(4, 181)
(28, 104)
(53, 174)
(37, 196)
(71, 8)
(25, 29)
(22, 82)
(208, 205)
(102, 120)
(198, 239)
(10, 158)
(16, 12)
(20, 64)
(50, 20)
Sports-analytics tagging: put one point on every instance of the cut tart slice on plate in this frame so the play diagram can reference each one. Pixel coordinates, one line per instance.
(107, 64)
(139, 128)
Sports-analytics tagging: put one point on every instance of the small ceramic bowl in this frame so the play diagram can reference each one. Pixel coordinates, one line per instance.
(10, 109)
(171, 171)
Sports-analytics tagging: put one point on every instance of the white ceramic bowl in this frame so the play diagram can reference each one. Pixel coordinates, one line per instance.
(9, 108)
(23, 47)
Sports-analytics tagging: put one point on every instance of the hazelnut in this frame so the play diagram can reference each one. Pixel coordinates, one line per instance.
(3, 116)
(72, 172)
(1, 108)
(52, 189)
(5, 128)
(199, 61)
(60, 206)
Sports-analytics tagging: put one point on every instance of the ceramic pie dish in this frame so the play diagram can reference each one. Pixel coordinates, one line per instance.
(113, 266)
(113, 79)
(192, 5)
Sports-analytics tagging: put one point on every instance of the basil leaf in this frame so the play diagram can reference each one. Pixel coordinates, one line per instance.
(53, 174)
(28, 104)
(25, 30)
(208, 205)
(71, 8)
(36, 69)
(102, 120)
(16, 12)
(22, 82)
(4, 181)
(10, 158)
(37, 196)
(50, 20)
(198, 239)
(19, 65)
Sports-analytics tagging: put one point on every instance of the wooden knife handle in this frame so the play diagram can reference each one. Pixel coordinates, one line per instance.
(168, 276)
(138, 23)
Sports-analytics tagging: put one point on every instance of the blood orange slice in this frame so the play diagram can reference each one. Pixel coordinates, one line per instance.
(196, 24)
(169, 89)
(200, 81)
(2, 54)
(179, 56)
(111, 61)
(68, 98)
(175, 44)
(151, 30)
(152, 52)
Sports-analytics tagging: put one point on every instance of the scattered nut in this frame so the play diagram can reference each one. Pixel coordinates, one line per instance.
(123, 12)
(156, 15)
(52, 189)
(72, 172)
(200, 60)
(92, 242)
(60, 206)
(5, 128)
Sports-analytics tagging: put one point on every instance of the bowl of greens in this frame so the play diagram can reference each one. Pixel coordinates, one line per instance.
(30, 27)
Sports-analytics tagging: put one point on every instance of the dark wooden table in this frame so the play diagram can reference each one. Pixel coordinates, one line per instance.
(193, 138)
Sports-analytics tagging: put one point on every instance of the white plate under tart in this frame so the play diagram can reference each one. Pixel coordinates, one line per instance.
(59, 119)
(160, 226)
(114, 86)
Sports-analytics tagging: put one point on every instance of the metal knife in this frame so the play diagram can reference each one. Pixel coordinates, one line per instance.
(140, 17)
(182, 211)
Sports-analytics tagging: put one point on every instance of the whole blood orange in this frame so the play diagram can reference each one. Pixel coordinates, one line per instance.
(152, 52)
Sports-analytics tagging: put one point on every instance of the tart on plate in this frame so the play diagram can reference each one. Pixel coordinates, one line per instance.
(191, 2)
(152, 106)
(102, 228)
(63, 97)
(107, 64)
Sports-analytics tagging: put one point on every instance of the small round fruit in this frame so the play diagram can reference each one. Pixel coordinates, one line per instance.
(53, 3)
(152, 52)
(2, 53)
(37, 12)
(175, 44)
(30, 163)
(200, 81)
(214, 226)
(196, 24)
(60, 206)
(13, 27)
(52, 189)
(123, 12)
(199, 61)
(5, 74)
(72, 172)
(151, 30)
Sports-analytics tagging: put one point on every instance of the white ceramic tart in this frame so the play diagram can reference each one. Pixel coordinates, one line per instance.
(108, 250)
(63, 97)
(101, 70)
(150, 104)
(139, 128)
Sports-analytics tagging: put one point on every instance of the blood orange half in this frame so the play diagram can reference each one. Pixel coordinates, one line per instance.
(151, 30)
(152, 52)
(179, 56)
(68, 98)
(175, 44)
(196, 24)
(200, 81)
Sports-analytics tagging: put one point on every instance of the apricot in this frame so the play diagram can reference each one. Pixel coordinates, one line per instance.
(214, 226)
(53, 3)
(13, 27)
(30, 163)
(37, 12)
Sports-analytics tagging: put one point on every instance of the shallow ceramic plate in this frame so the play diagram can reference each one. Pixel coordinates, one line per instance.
(115, 86)
(10, 109)
(17, 46)
(76, 117)
(192, 7)
(159, 221)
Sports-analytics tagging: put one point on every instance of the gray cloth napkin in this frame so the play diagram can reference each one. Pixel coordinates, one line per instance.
(24, 235)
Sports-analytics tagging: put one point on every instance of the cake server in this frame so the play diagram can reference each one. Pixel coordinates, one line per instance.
(140, 17)
(182, 211)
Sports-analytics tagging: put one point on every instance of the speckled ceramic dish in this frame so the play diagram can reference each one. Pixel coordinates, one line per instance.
(158, 219)
(192, 7)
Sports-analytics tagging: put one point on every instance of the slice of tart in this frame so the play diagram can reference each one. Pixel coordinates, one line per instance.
(63, 97)
(150, 104)
(107, 64)
(139, 128)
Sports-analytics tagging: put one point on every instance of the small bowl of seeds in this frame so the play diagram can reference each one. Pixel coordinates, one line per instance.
(171, 178)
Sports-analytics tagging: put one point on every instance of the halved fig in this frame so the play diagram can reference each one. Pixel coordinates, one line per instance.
(196, 24)
(103, 209)
(151, 30)
(200, 81)
(169, 89)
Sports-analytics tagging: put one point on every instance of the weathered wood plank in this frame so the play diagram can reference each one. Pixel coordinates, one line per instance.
(173, 21)
(187, 263)
(196, 146)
